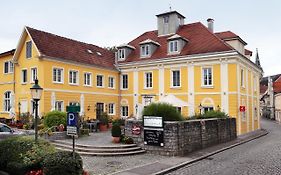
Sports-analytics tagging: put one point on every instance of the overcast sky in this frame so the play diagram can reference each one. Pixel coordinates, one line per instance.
(112, 22)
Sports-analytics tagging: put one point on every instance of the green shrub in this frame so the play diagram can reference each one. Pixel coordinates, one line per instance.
(126, 140)
(116, 130)
(209, 114)
(24, 152)
(104, 118)
(119, 121)
(165, 110)
(63, 163)
(55, 118)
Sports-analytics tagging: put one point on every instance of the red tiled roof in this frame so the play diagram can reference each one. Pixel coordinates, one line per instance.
(63, 48)
(228, 35)
(10, 52)
(263, 88)
(248, 52)
(200, 40)
(277, 87)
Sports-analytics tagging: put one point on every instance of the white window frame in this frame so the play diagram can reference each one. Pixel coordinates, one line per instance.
(121, 54)
(166, 19)
(71, 77)
(62, 105)
(122, 87)
(113, 109)
(7, 101)
(172, 79)
(22, 78)
(10, 69)
(26, 49)
(85, 78)
(113, 83)
(62, 75)
(100, 75)
(203, 77)
(172, 47)
(125, 116)
(145, 50)
(146, 80)
(242, 77)
(32, 76)
(77, 103)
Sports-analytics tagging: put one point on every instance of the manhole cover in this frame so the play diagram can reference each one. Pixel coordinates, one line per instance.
(114, 163)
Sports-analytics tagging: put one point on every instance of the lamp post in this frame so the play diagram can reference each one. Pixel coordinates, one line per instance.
(36, 92)
(200, 108)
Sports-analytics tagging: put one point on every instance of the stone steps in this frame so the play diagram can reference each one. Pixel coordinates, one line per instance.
(91, 150)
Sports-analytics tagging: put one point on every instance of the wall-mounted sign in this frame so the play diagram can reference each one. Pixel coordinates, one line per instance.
(242, 108)
(152, 121)
(153, 130)
(154, 137)
(136, 130)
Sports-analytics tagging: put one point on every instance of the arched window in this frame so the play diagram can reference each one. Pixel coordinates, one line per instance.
(7, 101)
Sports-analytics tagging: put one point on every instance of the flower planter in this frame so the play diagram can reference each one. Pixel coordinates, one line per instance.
(103, 127)
(116, 139)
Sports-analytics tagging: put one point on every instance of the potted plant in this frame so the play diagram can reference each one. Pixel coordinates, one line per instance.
(116, 132)
(103, 122)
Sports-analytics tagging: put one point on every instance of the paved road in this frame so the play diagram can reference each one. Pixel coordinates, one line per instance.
(258, 157)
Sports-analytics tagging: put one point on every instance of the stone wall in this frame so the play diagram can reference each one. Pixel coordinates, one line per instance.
(184, 137)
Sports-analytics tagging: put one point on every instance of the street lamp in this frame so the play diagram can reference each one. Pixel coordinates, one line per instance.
(36, 92)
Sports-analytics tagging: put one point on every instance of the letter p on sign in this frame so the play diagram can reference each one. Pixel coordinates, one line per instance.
(71, 119)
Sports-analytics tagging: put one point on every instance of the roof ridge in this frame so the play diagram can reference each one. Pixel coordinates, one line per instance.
(63, 37)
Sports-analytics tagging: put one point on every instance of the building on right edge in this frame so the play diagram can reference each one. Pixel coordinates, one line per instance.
(193, 68)
(270, 97)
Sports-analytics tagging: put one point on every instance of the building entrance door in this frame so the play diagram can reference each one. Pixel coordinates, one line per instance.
(99, 110)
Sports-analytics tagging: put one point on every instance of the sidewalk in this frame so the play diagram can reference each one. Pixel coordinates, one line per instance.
(167, 165)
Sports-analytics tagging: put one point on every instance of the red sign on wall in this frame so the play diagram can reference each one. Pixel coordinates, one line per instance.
(136, 130)
(242, 108)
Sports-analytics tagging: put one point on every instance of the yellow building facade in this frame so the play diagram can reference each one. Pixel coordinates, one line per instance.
(188, 65)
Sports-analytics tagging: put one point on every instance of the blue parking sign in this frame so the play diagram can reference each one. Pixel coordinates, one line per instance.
(72, 118)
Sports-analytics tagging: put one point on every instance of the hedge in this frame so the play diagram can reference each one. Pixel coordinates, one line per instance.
(63, 163)
(54, 118)
(165, 110)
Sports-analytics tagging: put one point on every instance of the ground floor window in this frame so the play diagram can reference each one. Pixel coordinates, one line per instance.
(7, 101)
(206, 109)
(178, 109)
(59, 106)
(124, 111)
(111, 109)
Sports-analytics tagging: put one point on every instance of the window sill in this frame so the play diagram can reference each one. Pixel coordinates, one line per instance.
(207, 87)
(8, 73)
(175, 87)
(111, 114)
(174, 53)
(57, 82)
(24, 83)
(100, 86)
(148, 88)
(87, 85)
(73, 84)
(111, 87)
(124, 89)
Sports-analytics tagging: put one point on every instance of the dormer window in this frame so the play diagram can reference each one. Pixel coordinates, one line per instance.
(166, 19)
(121, 54)
(145, 50)
(173, 46)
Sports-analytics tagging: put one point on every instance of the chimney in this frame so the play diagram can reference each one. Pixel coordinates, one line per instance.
(211, 24)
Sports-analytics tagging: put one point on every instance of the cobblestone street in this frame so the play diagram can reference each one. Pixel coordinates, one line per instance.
(258, 157)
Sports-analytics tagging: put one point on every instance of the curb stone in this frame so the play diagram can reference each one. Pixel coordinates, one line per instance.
(265, 132)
